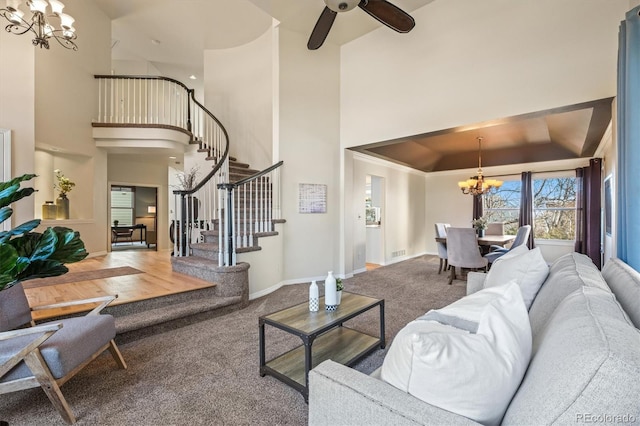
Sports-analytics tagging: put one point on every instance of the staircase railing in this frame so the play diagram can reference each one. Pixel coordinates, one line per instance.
(150, 101)
(251, 206)
(239, 211)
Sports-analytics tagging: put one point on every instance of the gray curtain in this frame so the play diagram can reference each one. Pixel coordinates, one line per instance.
(526, 206)
(628, 185)
(588, 215)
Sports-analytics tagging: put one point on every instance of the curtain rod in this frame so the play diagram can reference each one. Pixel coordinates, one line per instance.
(544, 171)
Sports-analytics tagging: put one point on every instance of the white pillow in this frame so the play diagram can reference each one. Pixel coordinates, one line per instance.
(529, 270)
(465, 313)
(471, 374)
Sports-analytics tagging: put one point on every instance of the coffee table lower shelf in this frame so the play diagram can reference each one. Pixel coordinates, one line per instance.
(341, 344)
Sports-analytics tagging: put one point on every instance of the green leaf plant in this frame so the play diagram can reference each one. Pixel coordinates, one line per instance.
(26, 254)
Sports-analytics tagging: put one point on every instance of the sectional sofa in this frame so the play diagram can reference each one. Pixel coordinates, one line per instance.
(584, 365)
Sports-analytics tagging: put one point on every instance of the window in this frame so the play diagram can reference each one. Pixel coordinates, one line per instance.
(122, 198)
(554, 206)
(503, 205)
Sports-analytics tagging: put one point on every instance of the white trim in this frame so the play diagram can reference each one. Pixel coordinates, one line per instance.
(380, 162)
(544, 242)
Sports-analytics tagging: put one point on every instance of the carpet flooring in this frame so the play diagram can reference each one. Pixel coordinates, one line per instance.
(76, 277)
(206, 373)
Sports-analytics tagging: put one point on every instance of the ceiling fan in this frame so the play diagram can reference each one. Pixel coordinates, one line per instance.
(390, 15)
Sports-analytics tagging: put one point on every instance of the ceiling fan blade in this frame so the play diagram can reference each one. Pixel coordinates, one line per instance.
(390, 15)
(321, 30)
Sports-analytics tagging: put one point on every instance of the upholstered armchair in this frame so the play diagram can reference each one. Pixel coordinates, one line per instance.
(463, 251)
(50, 354)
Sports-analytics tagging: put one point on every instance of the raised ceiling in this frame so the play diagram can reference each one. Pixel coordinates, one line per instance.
(563, 133)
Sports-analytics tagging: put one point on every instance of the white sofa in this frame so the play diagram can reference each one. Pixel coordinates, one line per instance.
(584, 368)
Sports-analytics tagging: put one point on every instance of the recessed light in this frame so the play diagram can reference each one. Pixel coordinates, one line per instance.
(192, 77)
(173, 158)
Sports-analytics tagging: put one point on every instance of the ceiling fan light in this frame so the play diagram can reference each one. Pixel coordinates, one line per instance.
(341, 5)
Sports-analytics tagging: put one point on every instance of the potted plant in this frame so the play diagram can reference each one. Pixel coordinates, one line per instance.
(480, 224)
(25, 254)
(339, 288)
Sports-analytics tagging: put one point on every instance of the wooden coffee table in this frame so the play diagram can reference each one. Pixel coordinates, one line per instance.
(323, 337)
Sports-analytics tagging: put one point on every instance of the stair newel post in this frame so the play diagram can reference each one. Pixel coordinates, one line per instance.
(220, 240)
(182, 225)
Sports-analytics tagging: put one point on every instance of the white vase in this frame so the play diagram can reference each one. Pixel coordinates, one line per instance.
(339, 296)
(314, 297)
(330, 293)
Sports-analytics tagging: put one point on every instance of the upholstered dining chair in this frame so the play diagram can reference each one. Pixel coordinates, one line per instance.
(495, 228)
(522, 235)
(463, 251)
(50, 354)
(441, 232)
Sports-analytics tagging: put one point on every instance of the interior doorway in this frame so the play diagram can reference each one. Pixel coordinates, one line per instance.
(133, 217)
(374, 207)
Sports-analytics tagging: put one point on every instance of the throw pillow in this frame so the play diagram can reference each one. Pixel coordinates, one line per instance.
(529, 270)
(465, 313)
(471, 374)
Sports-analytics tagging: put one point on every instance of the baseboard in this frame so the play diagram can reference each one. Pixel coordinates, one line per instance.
(265, 291)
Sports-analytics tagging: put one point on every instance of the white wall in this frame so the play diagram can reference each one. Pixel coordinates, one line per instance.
(403, 213)
(17, 109)
(239, 91)
(309, 99)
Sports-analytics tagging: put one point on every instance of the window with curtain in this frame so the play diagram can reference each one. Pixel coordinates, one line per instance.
(122, 202)
(554, 206)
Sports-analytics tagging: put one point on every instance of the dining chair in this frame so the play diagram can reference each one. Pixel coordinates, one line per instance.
(463, 251)
(495, 228)
(49, 354)
(522, 235)
(441, 232)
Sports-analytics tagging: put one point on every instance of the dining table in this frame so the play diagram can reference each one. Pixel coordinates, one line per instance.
(487, 240)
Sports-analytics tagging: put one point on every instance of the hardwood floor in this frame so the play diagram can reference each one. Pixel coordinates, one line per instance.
(156, 280)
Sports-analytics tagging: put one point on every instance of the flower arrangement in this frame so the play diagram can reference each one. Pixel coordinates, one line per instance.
(64, 184)
(339, 286)
(479, 223)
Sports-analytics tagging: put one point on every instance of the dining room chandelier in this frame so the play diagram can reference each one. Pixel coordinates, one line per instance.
(41, 23)
(478, 185)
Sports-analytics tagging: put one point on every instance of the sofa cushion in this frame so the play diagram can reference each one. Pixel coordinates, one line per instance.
(566, 275)
(624, 282)
(471, 374)
(529, 269)
(585, 362)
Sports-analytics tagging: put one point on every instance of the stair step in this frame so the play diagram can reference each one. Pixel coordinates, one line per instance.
(147, 318)
(238, 164)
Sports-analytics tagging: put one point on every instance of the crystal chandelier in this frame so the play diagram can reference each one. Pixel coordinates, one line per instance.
(40, 24)
(478, 185)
